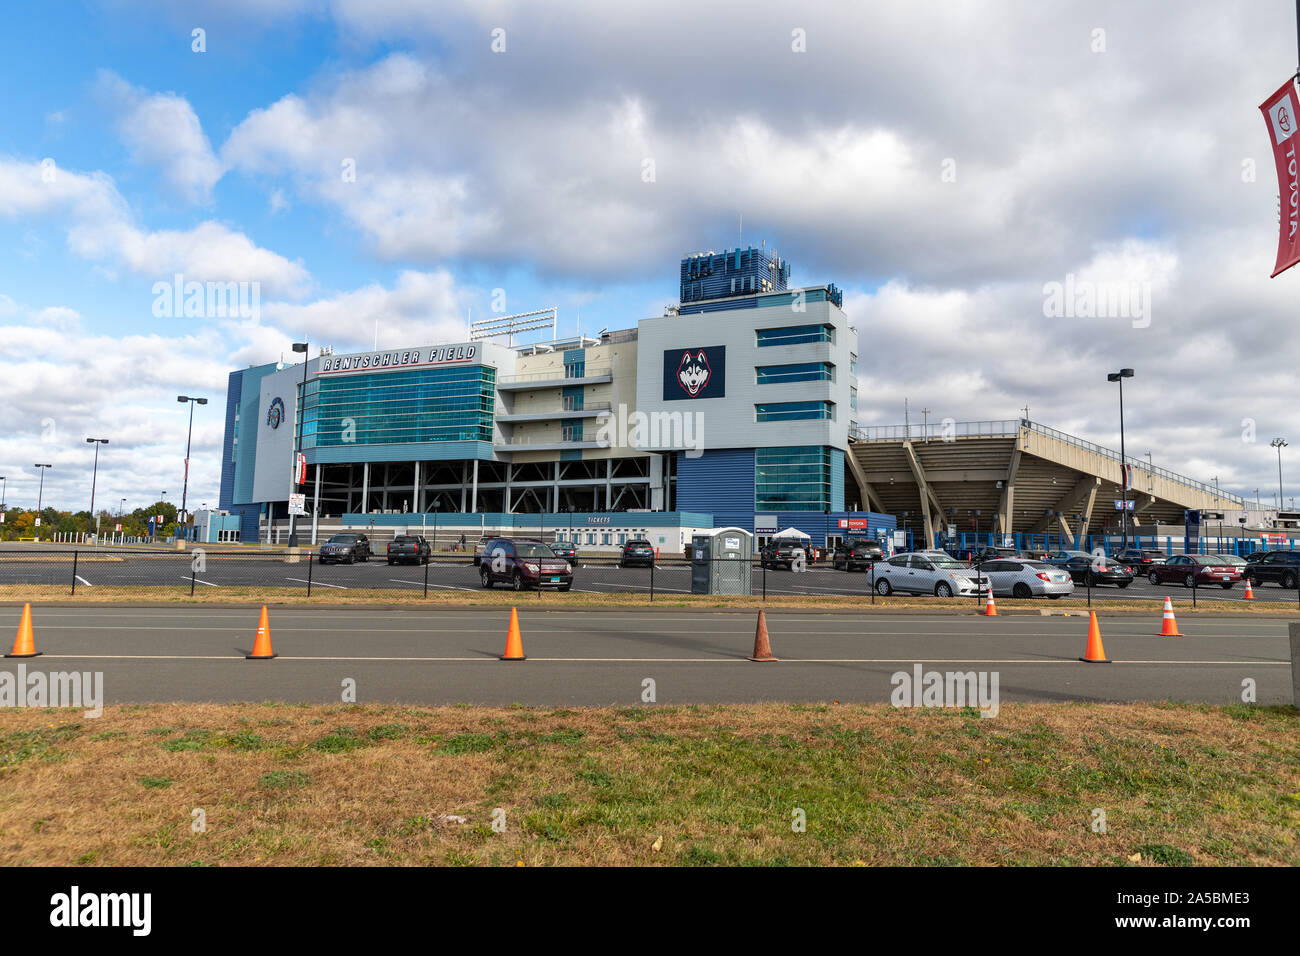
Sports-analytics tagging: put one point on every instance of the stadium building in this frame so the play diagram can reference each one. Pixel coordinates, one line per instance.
(733, 409)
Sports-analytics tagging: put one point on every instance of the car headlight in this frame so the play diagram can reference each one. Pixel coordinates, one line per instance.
(531, 568)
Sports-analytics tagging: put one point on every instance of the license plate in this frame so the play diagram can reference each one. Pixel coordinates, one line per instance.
(556, 580)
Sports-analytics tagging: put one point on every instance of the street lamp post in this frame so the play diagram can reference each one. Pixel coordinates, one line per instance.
(1123, 461)
(293, 485)
(94, 476)
(185, 487)
(1279, 444)
(40, 494)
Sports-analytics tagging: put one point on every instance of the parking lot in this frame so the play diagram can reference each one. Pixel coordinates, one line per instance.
(86, 569)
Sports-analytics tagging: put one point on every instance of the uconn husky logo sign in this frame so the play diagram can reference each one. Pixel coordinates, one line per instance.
(275, 414)
(699, 372)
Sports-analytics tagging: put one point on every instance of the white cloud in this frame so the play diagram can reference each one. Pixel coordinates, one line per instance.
(101, 230)
(163, 132)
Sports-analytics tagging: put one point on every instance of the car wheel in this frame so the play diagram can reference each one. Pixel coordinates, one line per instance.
(352, 559)
(1055, 597)
(1227, 586)
(883, 588)
(517, 581)
(1153, 578)
(1253, 579)
(1124, 584)
(1188, 581)
(390, 562)
(942, 590)
(485, 576)
(1022, 590)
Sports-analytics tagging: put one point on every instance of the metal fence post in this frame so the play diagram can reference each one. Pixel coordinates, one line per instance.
(74, 572)
(193, 574)
(872, 570)
(1195, 574)
(765, 582)
(426, 576)
(309, 564)
(652, 580)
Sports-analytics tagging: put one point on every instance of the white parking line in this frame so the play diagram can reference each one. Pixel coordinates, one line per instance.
(201, 581)
(319, 584)
(84, 581)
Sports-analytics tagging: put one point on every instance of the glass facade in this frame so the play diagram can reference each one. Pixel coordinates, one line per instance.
(792, 479)
(795, 335)
(794, 411)
(419, 405)
(799, 372)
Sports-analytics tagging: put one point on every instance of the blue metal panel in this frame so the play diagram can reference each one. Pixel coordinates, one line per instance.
(720, 482)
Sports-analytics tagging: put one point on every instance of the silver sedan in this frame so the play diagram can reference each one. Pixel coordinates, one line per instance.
(1022, 579)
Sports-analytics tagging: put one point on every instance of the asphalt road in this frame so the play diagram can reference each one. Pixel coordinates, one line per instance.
(457, 574)
(440, 656)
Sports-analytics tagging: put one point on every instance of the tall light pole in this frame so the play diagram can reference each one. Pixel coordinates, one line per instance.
(40, 495)
(1123, 461)
(1279, 444)
(185, 487)
(302, 402)
(94, 476)
(4, 483)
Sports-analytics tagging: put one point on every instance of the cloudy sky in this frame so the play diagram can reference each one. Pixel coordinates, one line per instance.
(381, 166)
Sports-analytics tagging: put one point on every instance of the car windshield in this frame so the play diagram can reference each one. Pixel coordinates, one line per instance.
(1207, 559)
(529, 549)
(342, 539)
(946, 562)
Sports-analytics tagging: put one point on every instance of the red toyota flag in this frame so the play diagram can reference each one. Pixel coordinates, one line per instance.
(1280, 114)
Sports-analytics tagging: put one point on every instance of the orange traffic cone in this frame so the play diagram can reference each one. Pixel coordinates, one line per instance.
(262, 643)
(25, 642)
(1250, 593)
(990, 608)
(762, 648)
(514, 640)
(1094, 653)
(1169, 626)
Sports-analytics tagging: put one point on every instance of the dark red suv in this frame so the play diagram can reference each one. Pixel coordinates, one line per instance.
(522, 563)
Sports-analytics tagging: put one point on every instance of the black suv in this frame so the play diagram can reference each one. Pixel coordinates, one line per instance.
(522, 563)
(856, 552)
(1141, 558)
(781, 551)
(408, 547)
(1280, 566)
(636, 550)
(347, 546)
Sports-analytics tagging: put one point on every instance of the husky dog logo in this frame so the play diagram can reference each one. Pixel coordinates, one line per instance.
(275, 414)
(693, 372)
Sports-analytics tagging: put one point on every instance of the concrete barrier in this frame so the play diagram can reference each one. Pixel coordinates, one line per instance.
(293, 556)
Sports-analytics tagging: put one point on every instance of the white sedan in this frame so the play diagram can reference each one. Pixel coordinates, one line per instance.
(926, 572)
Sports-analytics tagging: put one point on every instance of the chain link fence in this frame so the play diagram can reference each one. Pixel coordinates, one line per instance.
(46, 574)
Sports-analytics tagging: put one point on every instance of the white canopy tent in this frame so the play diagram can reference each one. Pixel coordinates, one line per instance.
(792, 533)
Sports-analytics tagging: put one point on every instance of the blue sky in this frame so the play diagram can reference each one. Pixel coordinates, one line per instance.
(832, 127)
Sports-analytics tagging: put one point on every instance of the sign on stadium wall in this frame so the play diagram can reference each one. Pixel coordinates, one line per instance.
(399, 358)
(696, 372)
